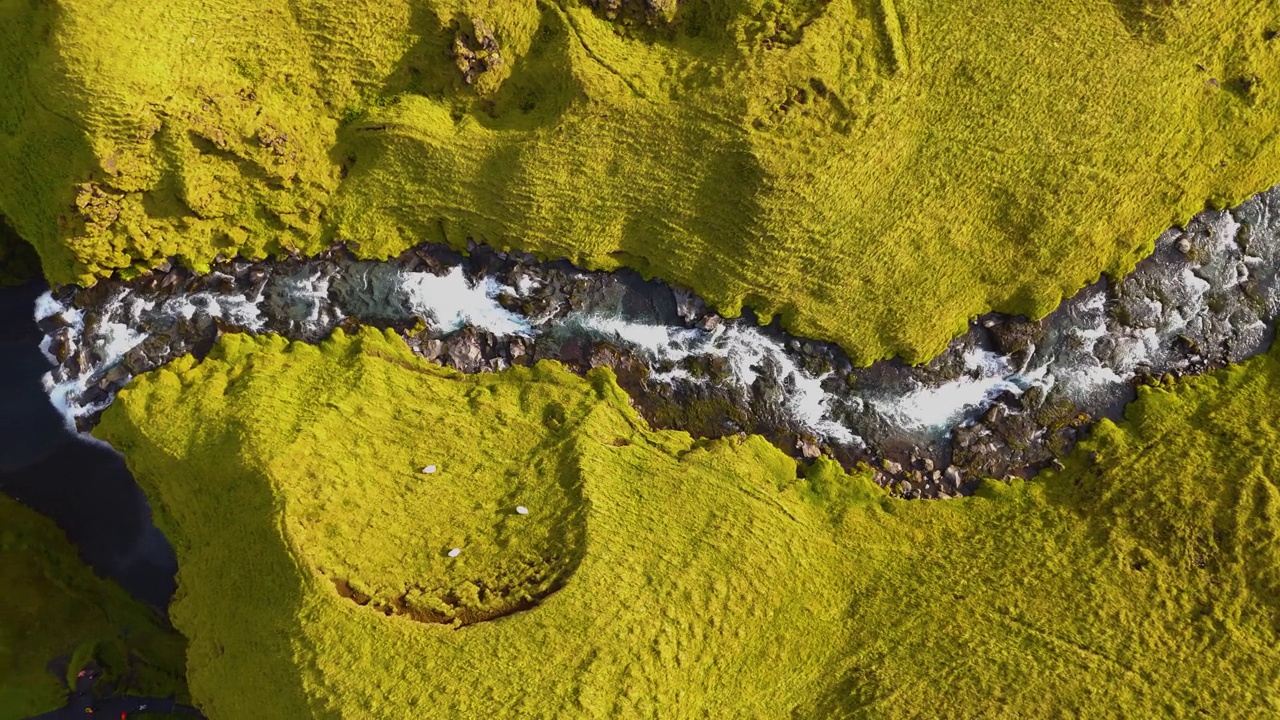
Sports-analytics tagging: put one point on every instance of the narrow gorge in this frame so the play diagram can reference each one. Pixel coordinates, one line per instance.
(1006, 399)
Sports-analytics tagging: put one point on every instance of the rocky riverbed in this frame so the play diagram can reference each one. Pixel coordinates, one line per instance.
(1006, 399)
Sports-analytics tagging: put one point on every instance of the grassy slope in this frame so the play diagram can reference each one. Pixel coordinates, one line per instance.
(54, 605)
(846, 163)
(697, 579)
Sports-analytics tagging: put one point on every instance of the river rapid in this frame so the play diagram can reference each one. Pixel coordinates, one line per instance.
(1005, 399)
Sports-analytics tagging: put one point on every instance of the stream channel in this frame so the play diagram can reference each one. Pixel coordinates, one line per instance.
(1005, 399)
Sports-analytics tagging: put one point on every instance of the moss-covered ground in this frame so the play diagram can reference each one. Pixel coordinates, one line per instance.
(53, 606)
(656, 576)
(874, 171)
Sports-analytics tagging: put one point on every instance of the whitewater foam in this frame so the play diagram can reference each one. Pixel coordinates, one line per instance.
(449, 303)
(747, 350)
(942, 406)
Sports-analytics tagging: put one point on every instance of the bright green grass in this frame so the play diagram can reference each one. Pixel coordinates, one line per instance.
(53, 605)
(875, 171)
(681, 578)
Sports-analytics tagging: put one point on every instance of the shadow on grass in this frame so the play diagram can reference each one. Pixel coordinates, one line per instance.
(248, 629)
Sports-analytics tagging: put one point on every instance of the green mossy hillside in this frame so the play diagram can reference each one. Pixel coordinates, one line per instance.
(874, 171)
(658, 576)
(54, 606)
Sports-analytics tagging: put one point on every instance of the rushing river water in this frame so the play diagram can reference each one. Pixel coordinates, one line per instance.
(1006, 398)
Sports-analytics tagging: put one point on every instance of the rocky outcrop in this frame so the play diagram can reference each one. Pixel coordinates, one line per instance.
(647, 12)
(478, 58)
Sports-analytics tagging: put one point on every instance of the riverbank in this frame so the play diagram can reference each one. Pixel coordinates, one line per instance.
(363, 506)
(805, 159)
(1006, 399)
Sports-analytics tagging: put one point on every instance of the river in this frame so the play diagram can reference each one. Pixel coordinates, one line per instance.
(1006, 399)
